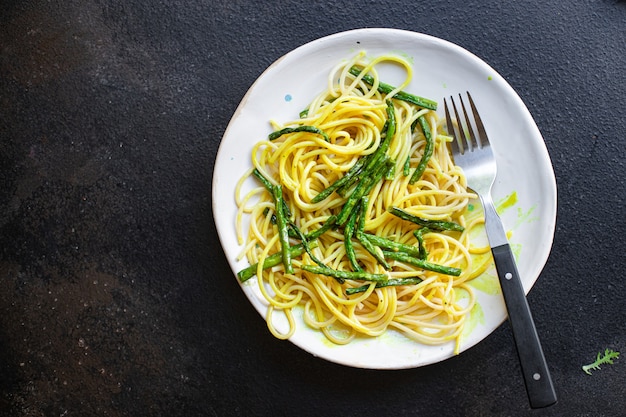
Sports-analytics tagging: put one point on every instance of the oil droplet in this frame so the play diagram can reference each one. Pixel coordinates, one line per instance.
(487, 283)
(506, 202)
(288, 98)
(476, 317)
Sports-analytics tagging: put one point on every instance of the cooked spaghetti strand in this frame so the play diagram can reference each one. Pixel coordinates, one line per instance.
(362, 156)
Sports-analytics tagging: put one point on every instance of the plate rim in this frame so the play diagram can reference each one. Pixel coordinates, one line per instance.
(549, 182)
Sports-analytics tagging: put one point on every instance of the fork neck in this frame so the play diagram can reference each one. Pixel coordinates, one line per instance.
(495, 231)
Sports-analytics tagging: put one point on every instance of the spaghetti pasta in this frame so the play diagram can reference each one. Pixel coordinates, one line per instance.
(334, 183)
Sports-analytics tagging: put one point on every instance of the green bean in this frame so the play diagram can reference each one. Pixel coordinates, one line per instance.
(401, 95)
(271, 261)
(352, 275)
(310, 129)
(428, 151)
(390, 282)
(431, 224)
(283, 233)
(403, 257)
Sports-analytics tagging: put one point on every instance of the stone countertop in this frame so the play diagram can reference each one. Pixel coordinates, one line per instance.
(116, 298)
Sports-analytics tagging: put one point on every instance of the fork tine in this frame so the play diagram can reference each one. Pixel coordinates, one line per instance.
(454, 145)
(482, 133)
(463, 140)
(473, 142)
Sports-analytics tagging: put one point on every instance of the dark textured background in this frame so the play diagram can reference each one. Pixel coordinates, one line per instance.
(115, 296)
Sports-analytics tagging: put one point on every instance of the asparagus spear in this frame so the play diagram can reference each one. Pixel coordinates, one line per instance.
(374, 159)
(361, 236)
(401, 95)
(406, 169)
(403, 257)
(348, 232)
(283, 233)
(353, 171)
(305, 242)
(362, 189)
(431, 224)
(270, 187)
(271, 261)
(353, 275)
(295, 251)
(388, 283)
(419, 234)
(391, 245)
(330, 222)
(428, 151)
(311, 129)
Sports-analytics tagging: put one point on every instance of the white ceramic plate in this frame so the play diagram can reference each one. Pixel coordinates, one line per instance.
(525, 177)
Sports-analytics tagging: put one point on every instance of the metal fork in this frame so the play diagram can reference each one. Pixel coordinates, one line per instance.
(473, 153)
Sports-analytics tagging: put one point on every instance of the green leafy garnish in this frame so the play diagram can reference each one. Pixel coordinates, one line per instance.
(609, 355)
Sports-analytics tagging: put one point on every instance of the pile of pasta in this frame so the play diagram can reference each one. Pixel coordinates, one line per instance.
(358, 214)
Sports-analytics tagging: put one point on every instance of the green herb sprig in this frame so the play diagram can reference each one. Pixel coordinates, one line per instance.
(608, 357)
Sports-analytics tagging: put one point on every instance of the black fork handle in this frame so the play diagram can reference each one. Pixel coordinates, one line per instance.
(532, 361)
